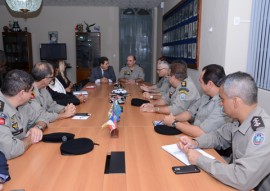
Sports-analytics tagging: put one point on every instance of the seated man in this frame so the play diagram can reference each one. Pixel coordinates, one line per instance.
(206, 112)
(43, 74)
(249, 167)
(162, 87)
(132, 73)
(181, 95)
(103, 73)
(4, 174)
(17, 116)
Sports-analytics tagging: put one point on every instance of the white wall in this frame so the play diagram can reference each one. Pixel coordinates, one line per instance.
(64, 20)
(227, 45)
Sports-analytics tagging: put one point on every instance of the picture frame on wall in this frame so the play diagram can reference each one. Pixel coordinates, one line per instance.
(53, 36)
(181, 32)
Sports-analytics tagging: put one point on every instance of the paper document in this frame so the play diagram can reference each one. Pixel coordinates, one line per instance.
(174, 151)
(83, 92)
(81, 117)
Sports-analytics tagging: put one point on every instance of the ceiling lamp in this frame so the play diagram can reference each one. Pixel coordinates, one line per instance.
(24, 6)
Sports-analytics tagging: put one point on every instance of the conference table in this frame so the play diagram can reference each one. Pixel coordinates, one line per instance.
(147, 166)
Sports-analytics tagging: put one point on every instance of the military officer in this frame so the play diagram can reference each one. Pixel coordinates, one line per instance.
(181, 95)
(43, 74)
(249, 137)
(207, 113)
(161, 88)
(132, 73)
(17, 116)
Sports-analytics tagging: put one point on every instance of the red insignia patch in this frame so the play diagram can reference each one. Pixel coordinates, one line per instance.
(2, 121)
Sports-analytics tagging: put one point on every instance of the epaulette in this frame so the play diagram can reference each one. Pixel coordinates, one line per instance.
(2, 105)
(256, 122)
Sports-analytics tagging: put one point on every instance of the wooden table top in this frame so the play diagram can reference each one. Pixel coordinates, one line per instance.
(148, 167)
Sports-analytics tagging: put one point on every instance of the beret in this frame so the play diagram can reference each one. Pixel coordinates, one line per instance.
(138, 102)
(77, 146)
(57, 137)
(166, 130)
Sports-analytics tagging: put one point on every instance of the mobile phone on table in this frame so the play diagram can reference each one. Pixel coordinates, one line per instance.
(185, 169)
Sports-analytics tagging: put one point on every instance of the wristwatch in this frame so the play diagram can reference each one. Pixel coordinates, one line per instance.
(174, 124)
(40, 127)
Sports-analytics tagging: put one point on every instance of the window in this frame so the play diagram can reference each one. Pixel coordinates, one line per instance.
(259, 44)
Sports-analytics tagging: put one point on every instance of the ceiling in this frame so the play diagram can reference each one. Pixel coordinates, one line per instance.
(146, 4)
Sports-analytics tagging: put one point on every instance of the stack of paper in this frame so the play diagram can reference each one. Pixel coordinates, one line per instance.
(180, 155)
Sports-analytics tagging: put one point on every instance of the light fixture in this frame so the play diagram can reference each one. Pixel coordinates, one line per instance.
(24, 6)
(129, 11)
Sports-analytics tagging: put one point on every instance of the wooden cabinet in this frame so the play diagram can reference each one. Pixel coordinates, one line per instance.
(18, 50)
(87, 53)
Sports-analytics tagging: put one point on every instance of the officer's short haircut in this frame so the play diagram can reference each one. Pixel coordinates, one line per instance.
(163, 62)
(179, 69)
(102, 60)
(134, 57)
(214, 73)
(15, 81)
(42, 70)
(242, 85)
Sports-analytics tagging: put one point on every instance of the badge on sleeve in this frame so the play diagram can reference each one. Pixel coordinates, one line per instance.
(258, 138)
(256, 122)
(2, 115)
(14, 122)
(183, 92)
(2, 105)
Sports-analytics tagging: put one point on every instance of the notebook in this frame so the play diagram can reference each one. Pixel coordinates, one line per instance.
(180, 155)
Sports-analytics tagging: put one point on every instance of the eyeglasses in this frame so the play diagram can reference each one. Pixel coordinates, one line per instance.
(160, 69)
(51, 77)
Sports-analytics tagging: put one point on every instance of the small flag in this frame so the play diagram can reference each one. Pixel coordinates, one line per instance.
(113, 115)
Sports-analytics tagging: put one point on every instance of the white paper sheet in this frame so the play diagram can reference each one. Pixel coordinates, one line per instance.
(174, 150)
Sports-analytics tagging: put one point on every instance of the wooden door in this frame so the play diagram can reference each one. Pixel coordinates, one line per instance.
(87, 53)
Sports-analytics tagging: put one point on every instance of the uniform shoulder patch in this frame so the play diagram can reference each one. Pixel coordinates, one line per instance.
(256, 122)
(258, 138)
(2, 105)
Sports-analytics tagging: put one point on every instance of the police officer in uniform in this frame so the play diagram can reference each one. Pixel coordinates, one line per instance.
(132, 73)
(17, 116)
(182, 94)
(43, 74)
(161, 88)
(207, 113)
(249, 167)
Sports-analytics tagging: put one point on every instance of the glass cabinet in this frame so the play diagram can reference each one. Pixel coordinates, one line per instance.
(18, 50)
(87, 53)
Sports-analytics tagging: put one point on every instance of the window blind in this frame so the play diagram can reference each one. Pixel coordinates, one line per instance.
(259, 44)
